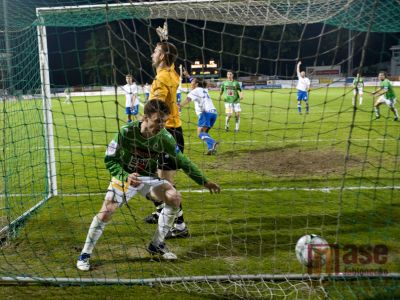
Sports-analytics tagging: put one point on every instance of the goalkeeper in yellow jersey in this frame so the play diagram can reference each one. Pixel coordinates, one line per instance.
(164, 87)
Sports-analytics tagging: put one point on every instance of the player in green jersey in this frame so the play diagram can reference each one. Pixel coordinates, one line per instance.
(358, 84)
(387, 96)
(232, 96)
(131, 158)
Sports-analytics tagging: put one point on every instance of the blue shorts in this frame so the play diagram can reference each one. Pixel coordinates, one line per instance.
(302, 95)
(134, 111)
(207, 119)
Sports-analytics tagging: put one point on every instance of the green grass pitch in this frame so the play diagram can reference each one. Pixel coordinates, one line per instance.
(282, 175)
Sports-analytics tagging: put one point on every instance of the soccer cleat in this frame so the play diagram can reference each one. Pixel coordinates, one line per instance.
(161, 250)
(226, 128)
(396, 118)
(377, 117)
(177, 233)
(213, 150)
(210, 152)
(214, 147)
(152, 218)
(236, 130)
(83, 263)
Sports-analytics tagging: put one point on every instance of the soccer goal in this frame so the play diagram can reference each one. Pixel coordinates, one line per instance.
(316, 158)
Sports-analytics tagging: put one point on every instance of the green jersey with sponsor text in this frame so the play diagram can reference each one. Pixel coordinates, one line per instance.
(130, 152)
(231, 91)
(388, 87)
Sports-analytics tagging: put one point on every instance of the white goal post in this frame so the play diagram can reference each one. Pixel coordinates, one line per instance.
(47, 112)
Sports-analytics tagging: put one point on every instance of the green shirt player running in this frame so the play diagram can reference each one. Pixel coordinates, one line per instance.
(387, 96)
(131, 158)
(358, 85)
(232, 96)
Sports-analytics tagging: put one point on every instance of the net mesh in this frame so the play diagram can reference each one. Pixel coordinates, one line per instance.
(332, 172)
(352, 14)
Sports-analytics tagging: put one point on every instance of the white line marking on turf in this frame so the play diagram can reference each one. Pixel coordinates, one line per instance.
(186, 143)
(272, 189)
(88, 146)
(247, 142)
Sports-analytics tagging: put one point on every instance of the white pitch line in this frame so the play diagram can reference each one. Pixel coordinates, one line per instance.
(86, 146)
(186, 143)
(272, 189)
(249, 142)
(246, 142)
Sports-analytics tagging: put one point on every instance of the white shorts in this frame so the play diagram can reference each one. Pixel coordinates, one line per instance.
(358, 91)
(121, 192)
(383, 99)
(232, 107)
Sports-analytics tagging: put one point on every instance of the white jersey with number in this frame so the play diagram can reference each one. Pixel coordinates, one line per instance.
(131, 91)
(202, 100)
(303, 83)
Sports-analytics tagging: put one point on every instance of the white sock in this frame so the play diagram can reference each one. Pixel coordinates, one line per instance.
(95, 232)
(376, 111)
(353, 101)
(360, 100)
(227, 122)
(237, 123)
(179, 213)
(165, 222)
(396, 113)
(180, 226)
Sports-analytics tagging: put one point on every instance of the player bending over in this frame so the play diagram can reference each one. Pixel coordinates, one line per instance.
(131, 158)
(358, 84)
(387, 96)
(205, 111)
(303, 86)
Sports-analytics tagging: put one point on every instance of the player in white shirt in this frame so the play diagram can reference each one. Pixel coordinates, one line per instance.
(146, 91)
(205, 111)
(179, 90)
(67, 93)
(131, 98)
(179, 96)
(358, 84)
(303, 86)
